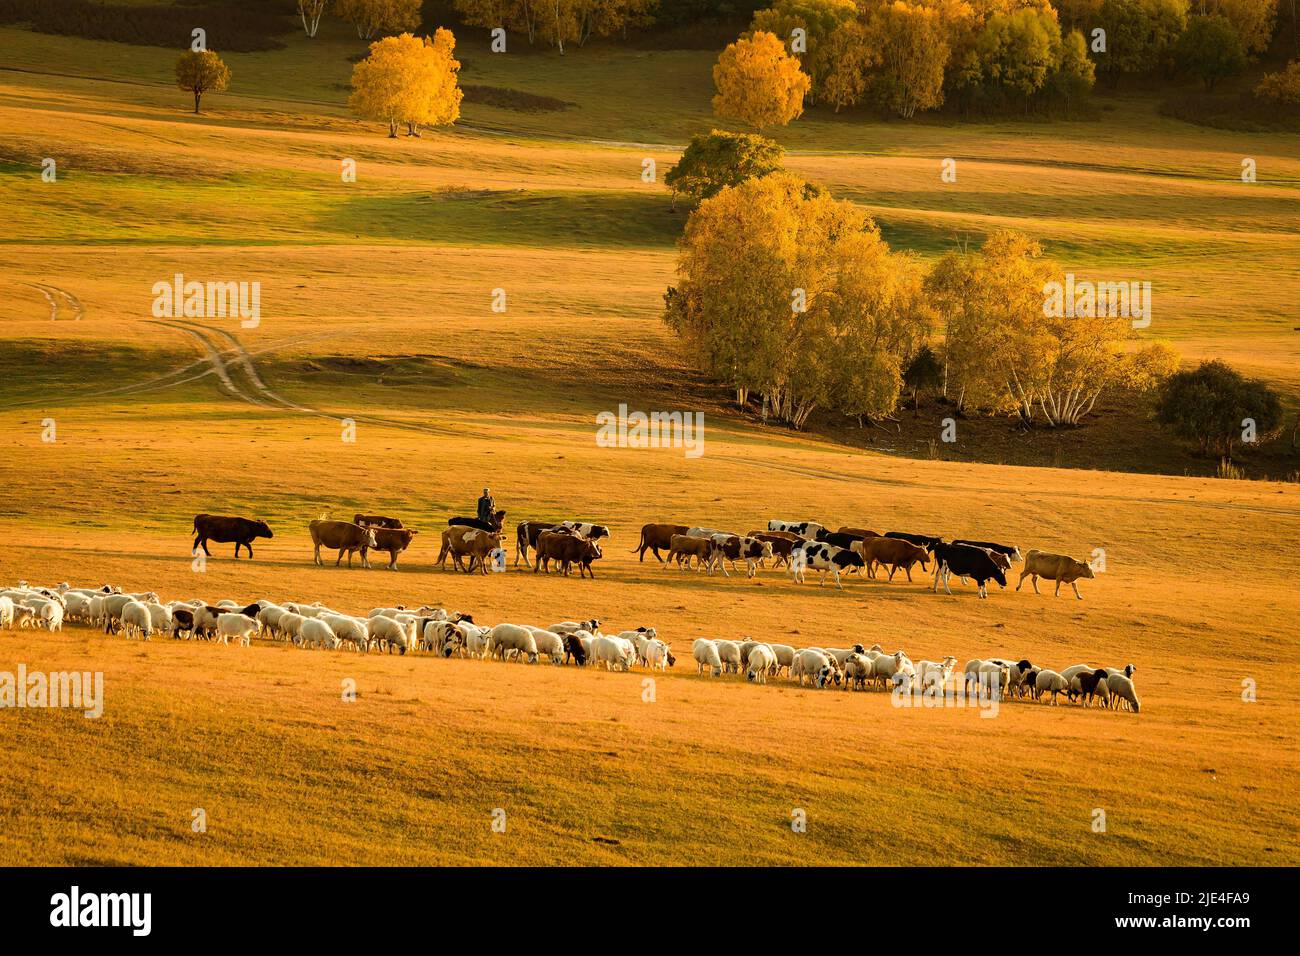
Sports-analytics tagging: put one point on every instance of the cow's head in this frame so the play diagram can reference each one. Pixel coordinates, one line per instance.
(370, 537)
(262, 530)
(1085, 570)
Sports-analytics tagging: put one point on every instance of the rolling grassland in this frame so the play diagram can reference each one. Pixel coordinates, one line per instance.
(375, 307)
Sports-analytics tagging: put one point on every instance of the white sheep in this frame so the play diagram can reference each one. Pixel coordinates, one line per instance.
(135, 619)
(992, 679)
(729, 653)
(236, 625)
(347, 629)
(814, 664)
(930, 673)
(858, 669)
(706, 655)
(762, 661)
(317, 633)
(1122, 692)
(616, 653)
(657, 654)
(389, 632)
(1050, 682)
(784, 656)
(548, 643)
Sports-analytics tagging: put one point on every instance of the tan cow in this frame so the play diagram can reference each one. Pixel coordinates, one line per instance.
(1054, 567)
(893, 553)
(684, 547)
(341, 535)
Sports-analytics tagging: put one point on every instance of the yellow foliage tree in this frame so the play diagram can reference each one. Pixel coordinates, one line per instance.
(1003, 351)
(758, 82)
(201, 71)
(787, 292)
(909, 43)
(408, 80)
(379, 16)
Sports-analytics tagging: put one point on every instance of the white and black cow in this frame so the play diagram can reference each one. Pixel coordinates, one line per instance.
(730, 548)
(966, 561)
(823, 557)
(588, 530)
(804, 529)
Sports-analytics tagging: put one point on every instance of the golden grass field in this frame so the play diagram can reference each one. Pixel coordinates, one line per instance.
(375, 307)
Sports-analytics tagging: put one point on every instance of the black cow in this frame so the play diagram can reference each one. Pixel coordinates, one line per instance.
(965, 561)
(840, 539)
(224, 529)
(927, 541)
(492, 527)
(1010, 550)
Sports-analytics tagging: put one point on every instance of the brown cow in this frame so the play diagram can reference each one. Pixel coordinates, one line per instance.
(392, 540)
(859, 532)
(683, 546)
(782, 543)
(656, 536)
(343, 535)
(894, 553)
(377, 521)
(224, 529)
(566, 549)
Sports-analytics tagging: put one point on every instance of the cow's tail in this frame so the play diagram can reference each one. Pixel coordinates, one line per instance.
(195, 528)
(641, 545)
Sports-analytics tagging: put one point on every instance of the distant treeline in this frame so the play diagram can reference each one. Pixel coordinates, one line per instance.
(230, 27)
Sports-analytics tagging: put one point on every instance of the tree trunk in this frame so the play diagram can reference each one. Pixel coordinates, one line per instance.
(197, 94)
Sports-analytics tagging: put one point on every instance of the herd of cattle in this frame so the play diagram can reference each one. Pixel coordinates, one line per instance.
(807, 545)
(474, 544)
(453, 634)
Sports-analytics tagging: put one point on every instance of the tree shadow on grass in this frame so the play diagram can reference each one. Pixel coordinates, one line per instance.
(605, 219)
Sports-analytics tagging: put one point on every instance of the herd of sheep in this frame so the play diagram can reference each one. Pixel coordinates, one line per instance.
(454, 634)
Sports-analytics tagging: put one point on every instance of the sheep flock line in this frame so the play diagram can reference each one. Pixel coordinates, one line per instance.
(440, 633)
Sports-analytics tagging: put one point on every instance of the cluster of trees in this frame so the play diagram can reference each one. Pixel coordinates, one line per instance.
(1003, 353)
(1281, 88)
(559, 21)
(230, 25)
(408, 81)
(1216, 408)
(370, 17)
(791, 295)
(788, 294)
(909, 56)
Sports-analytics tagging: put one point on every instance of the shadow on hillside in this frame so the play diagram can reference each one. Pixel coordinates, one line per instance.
(511, 218)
